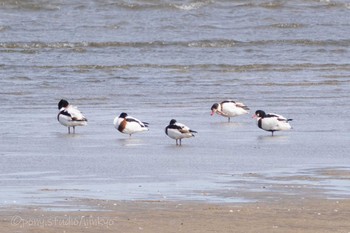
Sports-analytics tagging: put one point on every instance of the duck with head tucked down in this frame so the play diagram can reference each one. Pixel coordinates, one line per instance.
(229, 108)
(178, 131)
(129, 125)
(70, 116)
(271, 122)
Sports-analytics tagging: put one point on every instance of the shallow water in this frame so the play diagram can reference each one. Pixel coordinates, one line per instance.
(158, 60)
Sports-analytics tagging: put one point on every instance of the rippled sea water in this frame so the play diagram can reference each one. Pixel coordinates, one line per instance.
(158, 60)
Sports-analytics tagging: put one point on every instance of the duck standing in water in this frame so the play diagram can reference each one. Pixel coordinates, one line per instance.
(271, 122)
(129, 125)
(178, 131)
(229, 108)
(70, 116)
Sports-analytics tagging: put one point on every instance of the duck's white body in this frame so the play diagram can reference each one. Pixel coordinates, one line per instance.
(178, 131)
(129, 125)
(271, 121)
(70, 116)
(229, 108)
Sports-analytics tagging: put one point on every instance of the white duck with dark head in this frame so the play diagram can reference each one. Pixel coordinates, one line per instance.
(229, 108)
(70, 116)
(178, 131)
(129, 125)
(271, 122)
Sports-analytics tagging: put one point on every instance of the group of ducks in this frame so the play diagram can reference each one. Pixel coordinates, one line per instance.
(70, 116)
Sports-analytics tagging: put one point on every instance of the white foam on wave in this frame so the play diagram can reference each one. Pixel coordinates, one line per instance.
(191, 6)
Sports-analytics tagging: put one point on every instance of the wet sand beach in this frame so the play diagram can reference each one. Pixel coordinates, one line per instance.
(288, 215)
(288, 208)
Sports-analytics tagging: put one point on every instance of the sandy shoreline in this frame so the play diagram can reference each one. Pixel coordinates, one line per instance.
(287, 215)
(283, 207)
